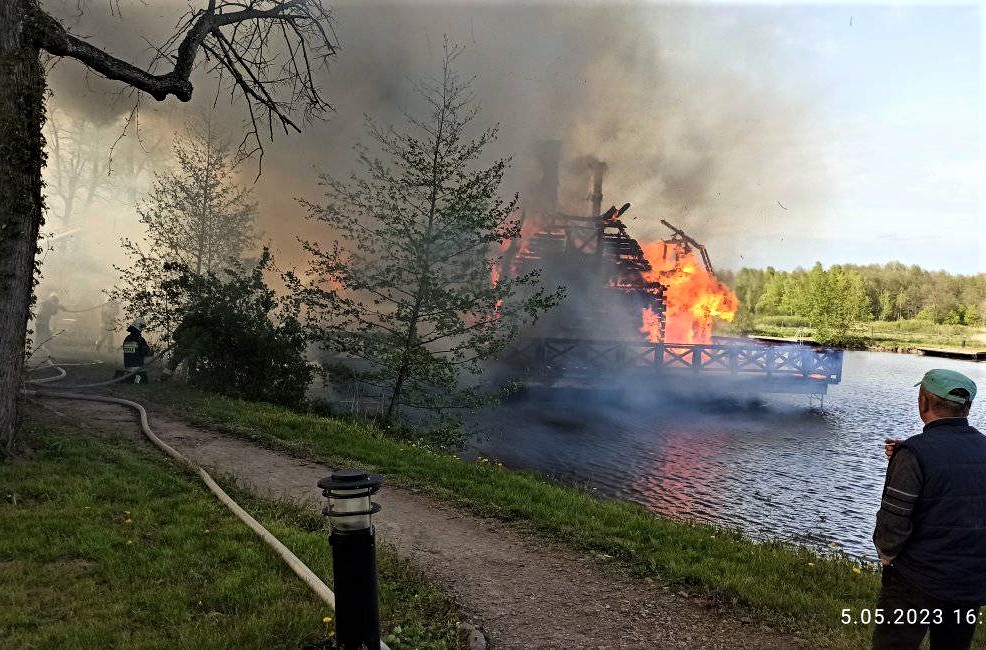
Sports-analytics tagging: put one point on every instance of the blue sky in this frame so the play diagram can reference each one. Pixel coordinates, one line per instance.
(897, 92)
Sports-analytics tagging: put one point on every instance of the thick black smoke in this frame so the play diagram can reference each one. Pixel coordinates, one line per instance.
(678, 101)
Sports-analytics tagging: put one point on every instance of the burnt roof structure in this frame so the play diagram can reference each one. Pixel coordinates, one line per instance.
(602, 267)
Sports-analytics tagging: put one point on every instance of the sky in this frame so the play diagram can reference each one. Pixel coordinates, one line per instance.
(895, 94)
(902, 95)
(778, 134)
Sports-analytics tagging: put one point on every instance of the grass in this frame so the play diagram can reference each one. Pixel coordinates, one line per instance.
(788, 586)
(108, 544)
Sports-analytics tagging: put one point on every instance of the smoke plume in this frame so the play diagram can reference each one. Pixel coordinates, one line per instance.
(680, 102)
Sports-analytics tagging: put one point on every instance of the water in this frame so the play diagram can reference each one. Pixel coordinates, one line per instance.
(778, 469)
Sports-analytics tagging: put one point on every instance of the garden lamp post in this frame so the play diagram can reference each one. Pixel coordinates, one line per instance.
(354, 559)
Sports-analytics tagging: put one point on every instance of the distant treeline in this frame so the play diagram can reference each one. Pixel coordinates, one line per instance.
(833, 299)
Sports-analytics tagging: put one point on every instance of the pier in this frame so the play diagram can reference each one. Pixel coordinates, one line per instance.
(772, 368)
(969, 354)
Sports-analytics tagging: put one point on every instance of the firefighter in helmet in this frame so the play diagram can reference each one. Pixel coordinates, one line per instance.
(135, 347)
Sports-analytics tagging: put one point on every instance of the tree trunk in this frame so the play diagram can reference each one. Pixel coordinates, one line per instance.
(412, 328)
(21, 159)
(204, 217)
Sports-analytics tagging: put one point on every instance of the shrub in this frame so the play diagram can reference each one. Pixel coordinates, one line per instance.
(784, 321)
(237, 336)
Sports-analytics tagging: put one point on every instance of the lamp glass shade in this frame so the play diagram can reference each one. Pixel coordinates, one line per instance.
(343, 522)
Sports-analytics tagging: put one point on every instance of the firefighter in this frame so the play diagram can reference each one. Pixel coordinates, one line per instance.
(49, 307)
(108, 315)
(135, 349)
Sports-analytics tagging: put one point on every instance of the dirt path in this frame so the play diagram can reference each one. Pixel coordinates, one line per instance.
(522, 591)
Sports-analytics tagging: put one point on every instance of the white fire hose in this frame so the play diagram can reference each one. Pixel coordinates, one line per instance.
(300, 569)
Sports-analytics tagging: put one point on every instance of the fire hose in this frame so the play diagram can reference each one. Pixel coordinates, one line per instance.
(300, 569)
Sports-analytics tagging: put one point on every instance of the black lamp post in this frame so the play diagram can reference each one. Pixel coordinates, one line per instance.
(354, 556)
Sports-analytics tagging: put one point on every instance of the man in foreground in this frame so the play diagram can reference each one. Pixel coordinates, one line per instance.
(931, 527)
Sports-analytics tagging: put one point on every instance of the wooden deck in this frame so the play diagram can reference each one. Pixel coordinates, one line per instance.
(969, 354)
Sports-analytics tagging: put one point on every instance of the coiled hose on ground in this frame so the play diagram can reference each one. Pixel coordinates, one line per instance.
(300, 569)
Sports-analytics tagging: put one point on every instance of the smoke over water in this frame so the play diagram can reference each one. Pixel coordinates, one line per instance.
(682, 103)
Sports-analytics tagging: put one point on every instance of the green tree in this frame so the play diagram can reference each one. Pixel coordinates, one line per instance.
(833, 301)
(795, 287)
(196, 216)
(972, 316)
(407, 288)
(748, 284)
(772, 294)
(236, 335)
(902, 304)
(887, 308)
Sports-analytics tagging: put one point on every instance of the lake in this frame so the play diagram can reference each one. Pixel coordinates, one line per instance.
(777, 468)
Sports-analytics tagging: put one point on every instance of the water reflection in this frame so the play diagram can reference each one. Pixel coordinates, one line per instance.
(774, 469)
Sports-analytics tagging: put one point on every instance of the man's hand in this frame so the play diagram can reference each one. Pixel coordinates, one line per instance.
(889, 445)
(884, 561)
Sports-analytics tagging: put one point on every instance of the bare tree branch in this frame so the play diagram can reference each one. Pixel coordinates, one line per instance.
(265, 48)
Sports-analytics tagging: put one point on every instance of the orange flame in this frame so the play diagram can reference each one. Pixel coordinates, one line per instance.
(694, 297)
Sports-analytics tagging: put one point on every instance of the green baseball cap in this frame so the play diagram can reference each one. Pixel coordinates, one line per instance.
(942, 382)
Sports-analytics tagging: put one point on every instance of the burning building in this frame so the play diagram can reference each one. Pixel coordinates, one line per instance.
(617, 288)
(636, 312)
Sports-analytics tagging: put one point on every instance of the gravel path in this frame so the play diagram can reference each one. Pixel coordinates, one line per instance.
(522, 591)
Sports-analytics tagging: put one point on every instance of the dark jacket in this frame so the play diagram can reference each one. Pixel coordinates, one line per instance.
(135, 348)
(945, 554)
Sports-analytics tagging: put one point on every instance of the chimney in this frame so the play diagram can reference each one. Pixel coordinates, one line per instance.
(544, 193)
(597, 169)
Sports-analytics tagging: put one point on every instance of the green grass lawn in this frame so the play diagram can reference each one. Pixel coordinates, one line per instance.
(791, 587)
(105, 543)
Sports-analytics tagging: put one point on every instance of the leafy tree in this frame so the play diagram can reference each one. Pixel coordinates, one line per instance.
(407, 288)
(236, 335)
(196, 216)
(887, 308)
(264, 48)
(769, 302)
(902, 304)
(748, 284)
(197, 213)
(972, 316)
(832, 301)
(894, 291)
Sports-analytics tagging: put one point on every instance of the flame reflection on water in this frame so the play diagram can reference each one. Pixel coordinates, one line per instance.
(773, 468)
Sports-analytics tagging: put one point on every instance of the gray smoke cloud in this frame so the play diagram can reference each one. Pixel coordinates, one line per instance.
(680, 101)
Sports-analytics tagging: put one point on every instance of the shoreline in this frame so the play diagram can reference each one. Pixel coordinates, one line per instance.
(789, 586)
(969, 353)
